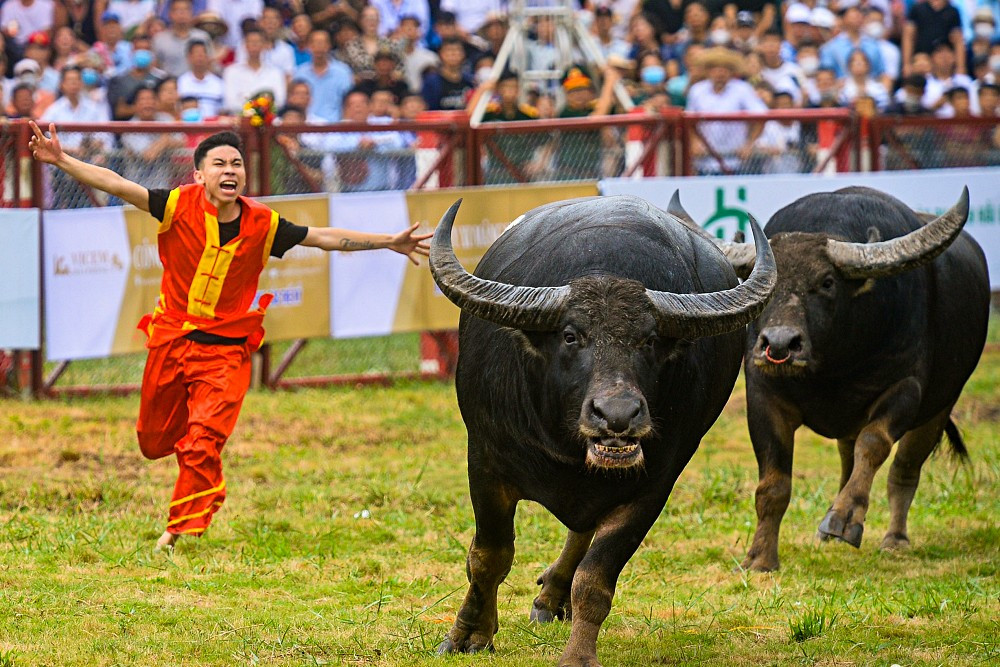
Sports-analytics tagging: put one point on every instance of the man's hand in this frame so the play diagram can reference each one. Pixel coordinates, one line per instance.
(410, 244)
(45, 149)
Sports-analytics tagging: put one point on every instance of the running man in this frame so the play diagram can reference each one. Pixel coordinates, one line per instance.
(213, 244)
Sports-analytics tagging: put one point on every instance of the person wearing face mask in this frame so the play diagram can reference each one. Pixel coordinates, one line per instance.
(910, 103)
(834, 54)
(652, 78)
(892, 57)
(142, 73)
(983, 33)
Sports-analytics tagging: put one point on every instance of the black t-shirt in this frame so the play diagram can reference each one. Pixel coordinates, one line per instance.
(399, 89)
(286, 237)
(932, 25)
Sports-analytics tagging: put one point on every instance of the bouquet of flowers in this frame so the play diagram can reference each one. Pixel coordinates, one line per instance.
(260, 109)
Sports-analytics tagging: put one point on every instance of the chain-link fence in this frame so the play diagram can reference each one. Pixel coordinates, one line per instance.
(933, 143)
(573, 150)
(776, 142)
(357, 157)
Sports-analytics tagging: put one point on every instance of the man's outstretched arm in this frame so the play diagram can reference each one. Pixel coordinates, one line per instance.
(47, 149)
(405, 242)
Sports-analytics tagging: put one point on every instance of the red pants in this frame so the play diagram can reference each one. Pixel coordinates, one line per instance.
(191, 397)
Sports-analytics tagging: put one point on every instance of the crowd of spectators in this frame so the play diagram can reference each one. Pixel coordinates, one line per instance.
(193, 60)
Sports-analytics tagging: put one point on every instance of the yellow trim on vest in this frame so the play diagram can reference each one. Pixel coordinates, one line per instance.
(168, 211)
(269, 241)
(186, 517)
(206, 288)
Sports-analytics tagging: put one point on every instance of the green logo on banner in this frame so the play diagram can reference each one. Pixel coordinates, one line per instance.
(727, 220)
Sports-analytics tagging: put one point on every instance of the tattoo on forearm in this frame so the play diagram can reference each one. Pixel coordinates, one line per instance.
(348, 244)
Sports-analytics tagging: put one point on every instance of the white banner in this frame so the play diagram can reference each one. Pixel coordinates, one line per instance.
(721, 203)
(365, 286)
(86, 264)
(20, 299)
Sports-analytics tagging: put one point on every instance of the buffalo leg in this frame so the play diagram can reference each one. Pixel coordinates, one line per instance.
(617, 538)
(895, 408)
(904, 475)
(558, 578)
(487, 565)
(772, 432)
(845, 446)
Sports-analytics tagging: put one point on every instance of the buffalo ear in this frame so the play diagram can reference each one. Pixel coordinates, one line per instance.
(874, 235)
(529, 343)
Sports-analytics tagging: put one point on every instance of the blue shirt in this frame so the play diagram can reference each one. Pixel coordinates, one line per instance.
(833, 55)
(328, 89)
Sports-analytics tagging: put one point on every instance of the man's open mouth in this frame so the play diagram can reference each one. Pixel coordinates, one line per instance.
(229, 186)
(614, 452)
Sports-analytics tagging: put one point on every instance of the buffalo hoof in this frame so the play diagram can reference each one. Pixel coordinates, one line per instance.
(470, 644)
(540, 613)
(894, 542)
(833, 526)
(759, 564)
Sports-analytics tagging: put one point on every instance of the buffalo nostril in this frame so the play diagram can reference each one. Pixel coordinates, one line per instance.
(617, 412)
(795, 345)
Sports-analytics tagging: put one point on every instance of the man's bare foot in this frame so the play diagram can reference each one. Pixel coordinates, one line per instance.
(166, 542)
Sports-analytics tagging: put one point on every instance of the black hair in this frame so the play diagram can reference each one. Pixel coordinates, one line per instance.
(159, 84)
(983, 86)
(772, 32)
(189, 98)
(452, 41)
(31, 89)
(253, 30)
(446, 18)
(226, 138)
(915, 81)
(135, 93)
(70, 68)
(291, 108)
(193, 44)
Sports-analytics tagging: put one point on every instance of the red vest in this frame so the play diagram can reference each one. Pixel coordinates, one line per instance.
(208, 286)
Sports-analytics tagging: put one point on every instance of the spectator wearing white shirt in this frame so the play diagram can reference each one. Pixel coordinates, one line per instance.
(775, 70)
(780, 141)
(391, 13)
(859, 83)
(722, 92)
(74, 107)
(131, 13)
(21, 18)
(892, 57)
(199, 82)
(277, 52)
(146, 150)
(242, 80)
(416, 59)
(360, 167)
(234, 12)
(942, 78)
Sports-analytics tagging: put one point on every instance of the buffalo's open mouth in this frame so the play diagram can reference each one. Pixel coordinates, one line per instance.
(614, 452)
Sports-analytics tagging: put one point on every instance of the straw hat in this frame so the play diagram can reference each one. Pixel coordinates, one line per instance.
(211, 23)
(720, 56)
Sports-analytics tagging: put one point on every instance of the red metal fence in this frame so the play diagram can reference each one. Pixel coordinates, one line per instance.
(443, 150)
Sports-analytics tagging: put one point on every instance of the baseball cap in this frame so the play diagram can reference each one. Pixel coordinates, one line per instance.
(823, 18)
(575, 79)
(27, 65)
(798, 13)
(745, 18)
(844, 5)
(110, 16)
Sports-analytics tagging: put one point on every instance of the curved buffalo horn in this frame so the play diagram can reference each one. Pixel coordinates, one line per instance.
(697, 315)
(887, 258)
(528, 308)
(675, 209)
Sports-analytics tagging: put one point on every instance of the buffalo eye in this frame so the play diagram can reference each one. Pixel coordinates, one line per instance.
(828, 283)
(569, 337)
(651, 341)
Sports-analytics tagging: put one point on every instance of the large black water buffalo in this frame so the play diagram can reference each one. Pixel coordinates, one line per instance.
(866, 340)
(599, 341)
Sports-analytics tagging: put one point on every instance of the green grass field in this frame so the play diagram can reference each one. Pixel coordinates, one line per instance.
(344, 535)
